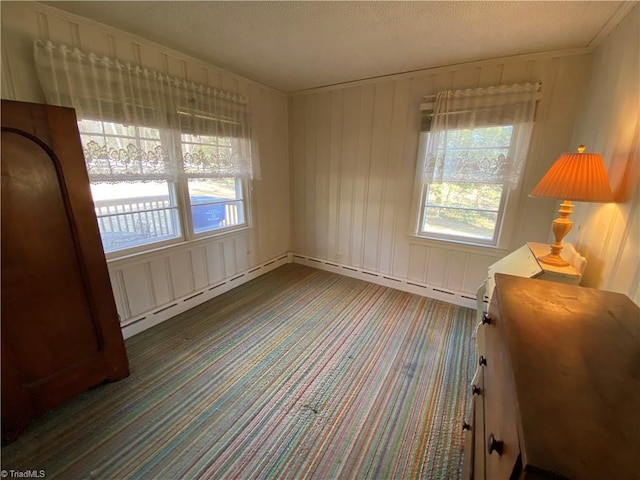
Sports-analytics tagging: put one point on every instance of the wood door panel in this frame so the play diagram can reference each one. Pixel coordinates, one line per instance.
(60, 329)
(33, 206)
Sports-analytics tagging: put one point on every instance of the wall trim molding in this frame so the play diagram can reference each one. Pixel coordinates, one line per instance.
(174, 248)
(446, 68)
(623, 9)
(419, 288)
(169, 310)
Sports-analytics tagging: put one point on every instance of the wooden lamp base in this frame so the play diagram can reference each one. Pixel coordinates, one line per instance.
(561, 226)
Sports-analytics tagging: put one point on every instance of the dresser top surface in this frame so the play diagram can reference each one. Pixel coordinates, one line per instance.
(575, 358)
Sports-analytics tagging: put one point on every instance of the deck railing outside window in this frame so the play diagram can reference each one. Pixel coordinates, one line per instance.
(132, 222)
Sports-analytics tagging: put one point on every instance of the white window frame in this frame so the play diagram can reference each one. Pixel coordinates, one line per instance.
(505, 215)
(179, 190)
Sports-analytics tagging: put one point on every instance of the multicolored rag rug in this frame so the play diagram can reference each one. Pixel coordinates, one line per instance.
(300, 373)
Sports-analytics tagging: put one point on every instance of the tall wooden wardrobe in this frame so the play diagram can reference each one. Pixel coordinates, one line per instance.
(60, 329)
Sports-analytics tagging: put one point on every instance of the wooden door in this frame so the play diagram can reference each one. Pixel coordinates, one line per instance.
(60, 329)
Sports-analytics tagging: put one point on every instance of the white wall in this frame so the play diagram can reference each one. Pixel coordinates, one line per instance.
(149, 283)
(609, 124)
(338, 168)
(353, 155)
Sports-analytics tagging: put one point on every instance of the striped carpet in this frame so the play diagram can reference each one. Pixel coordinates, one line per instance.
(300, 373)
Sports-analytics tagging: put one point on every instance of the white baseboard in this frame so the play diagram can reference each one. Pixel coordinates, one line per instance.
(446, 295)
(165, 312)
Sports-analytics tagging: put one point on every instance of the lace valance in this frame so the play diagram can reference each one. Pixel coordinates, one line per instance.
(455, 152)
(109, 90)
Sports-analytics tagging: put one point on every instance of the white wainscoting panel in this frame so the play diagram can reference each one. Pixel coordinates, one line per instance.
(141, 316)
(416, 287)
(353, 158)
(154, 286)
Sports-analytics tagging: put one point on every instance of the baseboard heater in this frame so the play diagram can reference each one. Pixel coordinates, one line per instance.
(162, 313)
(438, 293)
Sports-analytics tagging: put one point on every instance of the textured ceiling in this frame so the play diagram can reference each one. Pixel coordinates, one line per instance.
(294, 45)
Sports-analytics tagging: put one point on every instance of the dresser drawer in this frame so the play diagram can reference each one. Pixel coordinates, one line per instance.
(478, 432)
(473, 466)
(500, 442)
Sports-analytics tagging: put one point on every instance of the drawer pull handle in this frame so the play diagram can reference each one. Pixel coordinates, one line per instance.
(494, 445)
(486, 319)
(475, 390)
(465, 426)
(482, 361)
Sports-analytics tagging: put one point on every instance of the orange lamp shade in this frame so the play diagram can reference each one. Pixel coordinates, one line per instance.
(576, 176)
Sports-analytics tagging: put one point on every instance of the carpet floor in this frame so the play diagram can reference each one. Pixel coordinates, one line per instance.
(299, 373)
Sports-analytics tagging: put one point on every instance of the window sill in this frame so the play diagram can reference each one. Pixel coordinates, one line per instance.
(460, 246)
(163, 251)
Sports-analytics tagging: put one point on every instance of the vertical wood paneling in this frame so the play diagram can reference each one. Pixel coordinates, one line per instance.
(372, 207)
(215, 263)
(393, 175)
(362, 174)
(181, 274)
(457, 271)
(159, 274)
(609, 235)
(377, 174)
(243, 253)
(310, 175)
(298, 171)
(437, 266)
(230, 256)
(258, 199)
(348, 184)
(406, 211)
(322, 172)
(8, 91)
(465, 78)
(489, 75)
(280, 216)
(335, 173)
(348, 173)
(230, 84)
(118, 294)
(476, 271)
(143, 284)
(199, 268)
(419, 255)
(136, 284)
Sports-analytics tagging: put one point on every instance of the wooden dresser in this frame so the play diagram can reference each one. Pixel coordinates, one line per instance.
(557, 394)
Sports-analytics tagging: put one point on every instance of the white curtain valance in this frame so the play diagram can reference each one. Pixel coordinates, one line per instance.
(466, 110)
(109, 90)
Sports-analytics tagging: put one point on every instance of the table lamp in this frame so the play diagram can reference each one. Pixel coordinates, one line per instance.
(577, 176)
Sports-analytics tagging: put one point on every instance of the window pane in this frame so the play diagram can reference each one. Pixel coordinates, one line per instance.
(216, 203)
(485, 137)
(470, 200)
(467, 195)
(119, 129)
(459, 222)
(135, 214)
(90, 126)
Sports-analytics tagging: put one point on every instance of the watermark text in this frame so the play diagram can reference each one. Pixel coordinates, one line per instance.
(23, 474)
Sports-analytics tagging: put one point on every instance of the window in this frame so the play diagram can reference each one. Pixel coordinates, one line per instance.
(168, 159)
(473, 145)
(467, 210)
(215, 202)
(145, 208)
